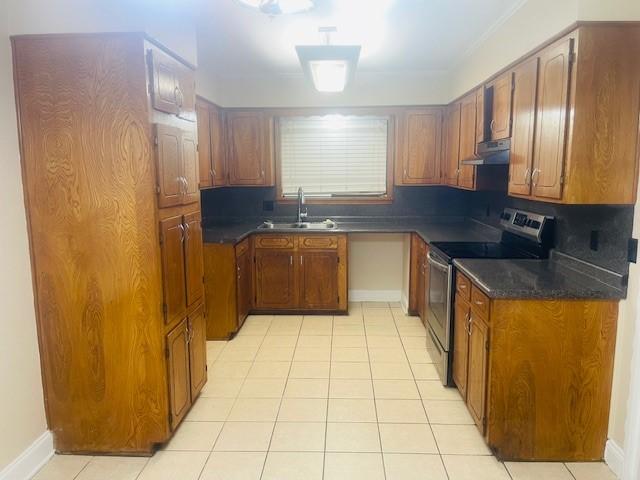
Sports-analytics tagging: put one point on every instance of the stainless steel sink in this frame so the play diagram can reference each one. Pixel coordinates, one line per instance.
(326, 225)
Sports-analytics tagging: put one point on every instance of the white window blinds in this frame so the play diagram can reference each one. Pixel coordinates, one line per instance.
(334, 155)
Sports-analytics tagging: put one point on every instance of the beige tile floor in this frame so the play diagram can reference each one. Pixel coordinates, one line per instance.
(335, 398)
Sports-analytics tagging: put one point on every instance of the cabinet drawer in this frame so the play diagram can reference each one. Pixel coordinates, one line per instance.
(463, 286)
(242, 247)
(318, 242)
(479, 302)
(274, 241)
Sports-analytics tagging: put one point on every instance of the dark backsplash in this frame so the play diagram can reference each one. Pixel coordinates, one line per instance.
(408, 201)
(575, 224)
(612, 225)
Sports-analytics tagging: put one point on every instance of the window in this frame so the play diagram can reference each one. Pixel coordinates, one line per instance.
(334, 156)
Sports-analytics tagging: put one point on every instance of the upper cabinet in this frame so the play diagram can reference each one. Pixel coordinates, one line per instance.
(211, 145)
(419, 146)
(172, 85)
(451, 146)
(575, 118)
(249, 148)
(177, 166)
(499, 103)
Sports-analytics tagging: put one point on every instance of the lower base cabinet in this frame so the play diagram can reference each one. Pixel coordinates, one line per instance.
(186, 349)
(535, 374)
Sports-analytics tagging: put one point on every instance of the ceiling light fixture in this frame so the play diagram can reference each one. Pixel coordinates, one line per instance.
(330, 67)
(279, 7)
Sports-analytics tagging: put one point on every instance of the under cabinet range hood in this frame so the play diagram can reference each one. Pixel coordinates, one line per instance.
(492, 152)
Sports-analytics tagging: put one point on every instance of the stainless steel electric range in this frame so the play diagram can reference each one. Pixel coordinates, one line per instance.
(524, 235)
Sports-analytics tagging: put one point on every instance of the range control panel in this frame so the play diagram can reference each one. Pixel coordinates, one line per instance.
(524, 223)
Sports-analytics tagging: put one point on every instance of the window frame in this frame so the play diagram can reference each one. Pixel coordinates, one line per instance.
(344, 200)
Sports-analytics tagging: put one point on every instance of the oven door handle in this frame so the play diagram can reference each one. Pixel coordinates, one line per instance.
(432, 261)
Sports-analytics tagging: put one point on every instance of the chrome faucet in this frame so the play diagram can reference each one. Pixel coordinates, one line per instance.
(301, 214)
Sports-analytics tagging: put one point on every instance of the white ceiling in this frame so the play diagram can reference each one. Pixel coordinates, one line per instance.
(396, 35)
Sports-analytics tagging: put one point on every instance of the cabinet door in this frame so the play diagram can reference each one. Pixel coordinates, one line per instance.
(318, 280)
(480, 120)
(415, 267)
(275, 279)
(169, 165)
(218, 150)
(551, 119)
(243, 279)
(178, 366)
(197, 351)
(173, 271)
(247, 148)
(193, 258)
(421, 146)
(204, 146)
(190, 168)
(467, 146)
(461, 346)
(164, 82)
(525, 80)
(452, 145)
(477, 370)
(186, 92)
(424, 284)
(468, 132)
(500, 124)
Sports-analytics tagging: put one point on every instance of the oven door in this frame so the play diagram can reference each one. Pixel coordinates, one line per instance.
(439, 298)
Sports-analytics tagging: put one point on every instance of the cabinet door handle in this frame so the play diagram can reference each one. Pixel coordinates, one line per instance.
(300, 259)
(290, 259)
(469, 323)
(492, 124)
(527, 178)
(187, 230)
(534, 178)
(182, 233)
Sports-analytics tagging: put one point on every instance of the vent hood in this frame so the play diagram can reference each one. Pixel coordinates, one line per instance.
(493, 152)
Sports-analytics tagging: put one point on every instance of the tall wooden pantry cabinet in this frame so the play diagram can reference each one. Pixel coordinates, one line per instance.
(109, 159)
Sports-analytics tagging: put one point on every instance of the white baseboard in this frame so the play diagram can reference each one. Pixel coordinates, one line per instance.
(31, 460)
(404, 303)
(614, 456)
(375, 295)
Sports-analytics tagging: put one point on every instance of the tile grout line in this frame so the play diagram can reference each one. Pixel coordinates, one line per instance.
(326, 418)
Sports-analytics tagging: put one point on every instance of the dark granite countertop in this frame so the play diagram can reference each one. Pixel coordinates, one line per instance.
(537, 279)
(430, 229)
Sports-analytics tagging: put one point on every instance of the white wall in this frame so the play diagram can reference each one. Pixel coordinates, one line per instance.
(22, 418)
(167, 21)
(376, 267)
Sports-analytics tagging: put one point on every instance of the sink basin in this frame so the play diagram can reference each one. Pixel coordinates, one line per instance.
(326, 225)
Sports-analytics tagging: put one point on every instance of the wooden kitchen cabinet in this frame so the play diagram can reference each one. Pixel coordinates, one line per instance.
(417, 272)
(504, 355)
(499, 93)
(318, 280)
(182, 269)
(178, 373)
(211, 145)
(275, 279)
(419, 142)
(462, 313)
(197, 351)
(452, 145)
(228, 282)
(525, 82)
(249, 148)
(117, 197)
(468, 141)
(177, 166)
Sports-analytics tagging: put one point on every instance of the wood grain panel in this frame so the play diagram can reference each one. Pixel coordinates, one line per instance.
(190, 168)
(179, 379)
(415, 267)
(275, 279)
(205, 165)
(551, 367)
(477, 369)
(461, 345)
(169, 165)
(468, 130)
(318, 280)
(525, 80)
(452, 145)
(244, 281)
(89, 183)
(266, 240)
(481, 124)
(479, 302)
(172, 235)
(197, 352)
(220, 290)
(420, 137)
(463, 287)
(218, 146)
(248, 147)
(319, 241)
(165, 82)
(194, 270)
(500, 124)
(551, 119)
